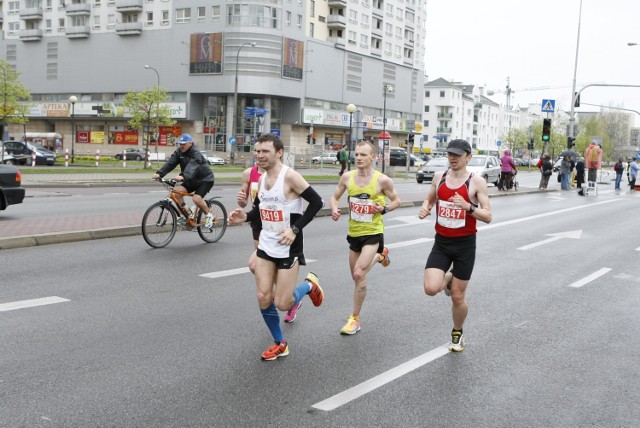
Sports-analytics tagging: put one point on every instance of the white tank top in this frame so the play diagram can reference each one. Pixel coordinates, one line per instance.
(276, 215)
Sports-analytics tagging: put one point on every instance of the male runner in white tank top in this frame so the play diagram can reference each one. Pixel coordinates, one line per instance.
(280, 253)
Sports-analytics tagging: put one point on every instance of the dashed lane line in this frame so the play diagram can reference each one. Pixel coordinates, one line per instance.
(22, 304)
(232, 272)
(365, 387)
(587, 279)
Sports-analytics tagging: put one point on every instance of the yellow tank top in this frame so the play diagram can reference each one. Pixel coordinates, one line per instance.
(362, 221)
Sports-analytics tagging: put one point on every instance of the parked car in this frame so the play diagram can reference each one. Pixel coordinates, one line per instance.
(487, 167)
(11, 191)
(427, 172)
(132, 153)
(212, 160)
(22, 151)
(556, 166)
(329, 157)
(5, 157)
(399, 158)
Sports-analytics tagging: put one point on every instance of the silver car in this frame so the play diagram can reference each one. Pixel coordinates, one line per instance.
(487, 167)
(429, 169)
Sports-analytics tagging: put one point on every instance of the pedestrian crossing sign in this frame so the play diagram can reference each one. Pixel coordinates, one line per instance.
(548, 106)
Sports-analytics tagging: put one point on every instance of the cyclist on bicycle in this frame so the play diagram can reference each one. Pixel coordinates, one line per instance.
(195, 174)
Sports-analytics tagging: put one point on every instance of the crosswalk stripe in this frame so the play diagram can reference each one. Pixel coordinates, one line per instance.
(21, 304)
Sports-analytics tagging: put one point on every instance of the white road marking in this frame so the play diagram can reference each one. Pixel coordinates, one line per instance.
(407, 243)
(587, 279)
(638, 249)
(574, 234)
(232, 272)
(365, 387)
(21, 304)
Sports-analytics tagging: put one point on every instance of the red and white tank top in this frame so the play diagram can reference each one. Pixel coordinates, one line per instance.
(451, 221)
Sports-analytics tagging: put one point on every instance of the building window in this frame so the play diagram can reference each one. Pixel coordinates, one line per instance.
(426, 109)
(14, 8)
(311, 29)
(427, 94)
(353, 16)
(288, 19)
(313, 8)
(111, 21)
(441, 94)
(149, 20)
(183, 15)
(47, 26)
(364, 41)
(299, 22)
(201, 13)
(61, 24)
(215, 13)
(165, 17)
(96, 22)
(388, 29)
(351, 38)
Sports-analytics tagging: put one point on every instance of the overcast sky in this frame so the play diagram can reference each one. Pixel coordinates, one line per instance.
(534, 44)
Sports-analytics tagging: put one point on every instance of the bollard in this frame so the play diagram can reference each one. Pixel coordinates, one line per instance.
(66, 157)
(33, 158)
(124, 158)
(97, 158)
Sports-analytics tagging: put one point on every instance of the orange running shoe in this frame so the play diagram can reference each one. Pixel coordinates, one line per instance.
(316, 294)
(278, 350)
(384, 257)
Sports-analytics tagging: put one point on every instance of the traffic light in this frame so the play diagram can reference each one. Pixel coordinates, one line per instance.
(411, 138)
(309, 139)
(313, 140)
(546, 129)
(570, 142)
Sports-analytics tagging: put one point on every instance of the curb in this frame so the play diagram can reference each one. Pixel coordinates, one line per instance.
(118, 232)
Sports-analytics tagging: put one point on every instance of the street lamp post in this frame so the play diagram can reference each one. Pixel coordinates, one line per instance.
(386, 89)
(73, 100)
(235, 98)
(148, 67)
(351, 108)
(572, 116)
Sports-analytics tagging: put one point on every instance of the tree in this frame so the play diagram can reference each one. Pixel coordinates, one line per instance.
(13, 95)
(146, 107)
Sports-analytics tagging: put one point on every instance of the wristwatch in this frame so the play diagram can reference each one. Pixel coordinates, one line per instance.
(472, 207)
(384, 210)
(295, 230)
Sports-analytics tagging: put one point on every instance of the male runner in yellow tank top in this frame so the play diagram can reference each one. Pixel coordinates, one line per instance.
(368, 191)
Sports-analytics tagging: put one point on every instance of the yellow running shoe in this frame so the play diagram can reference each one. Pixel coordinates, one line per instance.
(352, 326)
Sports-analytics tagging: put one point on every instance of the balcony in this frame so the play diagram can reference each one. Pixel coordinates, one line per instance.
(124, 6)
(376, 52)
(443, 130)
(341, 4)
(78, 31)
(78, 9)
(337, 22)
(377, 12)
(477, 105)
(31, 35)
(129, 28)
(475, 118)
(445, 115)
(377, 32)
(1, 17)
(31, 14)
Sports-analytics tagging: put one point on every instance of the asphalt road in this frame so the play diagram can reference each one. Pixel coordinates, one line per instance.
(172, 337)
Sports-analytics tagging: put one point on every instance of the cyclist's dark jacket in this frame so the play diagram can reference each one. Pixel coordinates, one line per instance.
(193, 167)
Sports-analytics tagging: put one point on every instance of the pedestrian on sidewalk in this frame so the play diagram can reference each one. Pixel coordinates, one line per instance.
(368, 190)
(546, 169)
(343, 159)
(460, 198)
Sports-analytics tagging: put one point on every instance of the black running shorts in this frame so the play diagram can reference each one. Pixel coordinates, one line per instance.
(284, 263)
(461, 252)
(357, 242)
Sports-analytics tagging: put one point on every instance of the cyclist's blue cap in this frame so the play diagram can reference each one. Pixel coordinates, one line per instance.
(185, 138)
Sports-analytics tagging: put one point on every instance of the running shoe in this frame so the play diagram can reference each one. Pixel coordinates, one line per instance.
(352, 326)
(208, 220)
(291, 314)
(448, 277)
(384, 257)
(278, 350)
(316, 294)
(457, 342)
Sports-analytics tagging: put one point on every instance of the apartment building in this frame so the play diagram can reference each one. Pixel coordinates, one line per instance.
(292, 65)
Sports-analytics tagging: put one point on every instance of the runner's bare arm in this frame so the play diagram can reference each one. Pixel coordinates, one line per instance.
(335, 198)
(483, 212)
(387, 188)
(430, 200)
(242, 196)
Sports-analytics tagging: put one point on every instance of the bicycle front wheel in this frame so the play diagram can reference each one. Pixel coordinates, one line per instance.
(219, 222)
(159, 225)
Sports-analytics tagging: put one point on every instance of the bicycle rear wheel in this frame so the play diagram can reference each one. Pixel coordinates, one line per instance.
(219, 222)
(159, 225)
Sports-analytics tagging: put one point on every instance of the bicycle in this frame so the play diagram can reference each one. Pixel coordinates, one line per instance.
(162, 219)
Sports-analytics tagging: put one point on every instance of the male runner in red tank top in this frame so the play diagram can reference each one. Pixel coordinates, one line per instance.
(460, 198)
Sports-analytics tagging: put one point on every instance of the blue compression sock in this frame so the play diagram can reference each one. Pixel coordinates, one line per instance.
(300, 292)
(272, 319)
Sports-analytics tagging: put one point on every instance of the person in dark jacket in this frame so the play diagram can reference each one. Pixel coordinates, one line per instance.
(195, 174)
(580, 173)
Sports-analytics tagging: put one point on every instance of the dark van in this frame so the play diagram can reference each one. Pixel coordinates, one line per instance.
(22, 151)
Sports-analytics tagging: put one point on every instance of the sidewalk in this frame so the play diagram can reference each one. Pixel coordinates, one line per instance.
(17, 233)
